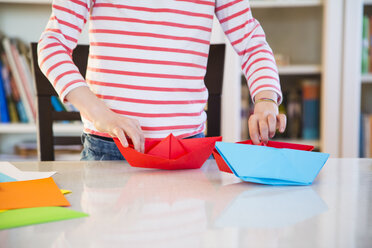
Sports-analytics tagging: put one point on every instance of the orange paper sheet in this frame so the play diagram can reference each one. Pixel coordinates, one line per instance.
(30, 194)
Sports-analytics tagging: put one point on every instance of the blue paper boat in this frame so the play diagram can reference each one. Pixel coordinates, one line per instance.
(273, 166)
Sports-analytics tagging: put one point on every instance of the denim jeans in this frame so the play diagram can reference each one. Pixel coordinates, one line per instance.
(99, 149)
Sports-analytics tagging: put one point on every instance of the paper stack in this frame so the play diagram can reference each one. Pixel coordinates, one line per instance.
(28, 198)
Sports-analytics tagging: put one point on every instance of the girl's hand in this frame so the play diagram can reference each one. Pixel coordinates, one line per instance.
(105, 120)
(265, 119)
(120, 127)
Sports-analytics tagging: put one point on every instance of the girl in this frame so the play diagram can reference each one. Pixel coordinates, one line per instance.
(146, 68)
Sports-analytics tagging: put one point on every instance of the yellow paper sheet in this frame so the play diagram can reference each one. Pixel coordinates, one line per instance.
(65, 191)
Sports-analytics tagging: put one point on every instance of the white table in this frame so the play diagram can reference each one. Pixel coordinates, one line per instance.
(132, 207)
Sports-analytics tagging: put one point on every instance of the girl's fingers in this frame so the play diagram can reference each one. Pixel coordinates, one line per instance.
(271, 120)
(119, 133)
(264, 130)
(142, 141)
(253, 129)
(135, 137)
(282, 122)
(141, 136)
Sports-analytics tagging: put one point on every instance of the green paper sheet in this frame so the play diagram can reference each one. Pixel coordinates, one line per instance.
(29, 216)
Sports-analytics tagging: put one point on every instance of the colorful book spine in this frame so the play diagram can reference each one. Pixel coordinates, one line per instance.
(244, 115)
(310, 111)
(361, 137)
(283, 110)
(370, 44)
(14, 65)
(370, 135)
(57, 104)
(8, 91)
(365, 45)
(22, 116)
(26, 81)
(21, 112)
(294, 114)
(366, 135)
(4, 113)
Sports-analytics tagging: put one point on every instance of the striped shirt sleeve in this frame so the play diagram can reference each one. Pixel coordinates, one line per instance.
(59, 40)
(248, 40)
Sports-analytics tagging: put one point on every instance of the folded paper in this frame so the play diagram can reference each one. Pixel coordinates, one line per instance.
(32, 193)
(275, 144)
(270, 165)
(170, 153)
(14, 173)
(29, 216)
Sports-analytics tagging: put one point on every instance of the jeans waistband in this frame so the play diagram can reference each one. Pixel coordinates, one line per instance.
(101, 137)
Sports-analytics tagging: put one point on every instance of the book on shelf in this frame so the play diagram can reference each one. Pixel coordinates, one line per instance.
(294, 115)
(245, 109)
(365, 45)
(5, 76)
(368, 39)
(366, 55)
(17, 92)
(4, 110)
(57, 105)
(17, 113)
(310, 108)
(366, 136)
(300, 104)
(11, 104)
(23, 84)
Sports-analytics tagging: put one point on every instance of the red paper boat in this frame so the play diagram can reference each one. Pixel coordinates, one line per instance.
(225, 168)
(170, 153)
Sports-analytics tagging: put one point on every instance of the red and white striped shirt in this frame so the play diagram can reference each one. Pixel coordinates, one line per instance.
(148, 58)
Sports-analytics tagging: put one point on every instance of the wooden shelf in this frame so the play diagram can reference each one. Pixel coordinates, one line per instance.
(367, 78)
(284, 3)
(300, 70)
(31, 128)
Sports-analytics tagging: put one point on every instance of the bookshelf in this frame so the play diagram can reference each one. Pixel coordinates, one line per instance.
(318, 18)
(300, 70)
(59, 128)
(313, 48)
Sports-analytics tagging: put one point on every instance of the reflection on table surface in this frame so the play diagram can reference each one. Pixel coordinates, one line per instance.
(131, 207)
